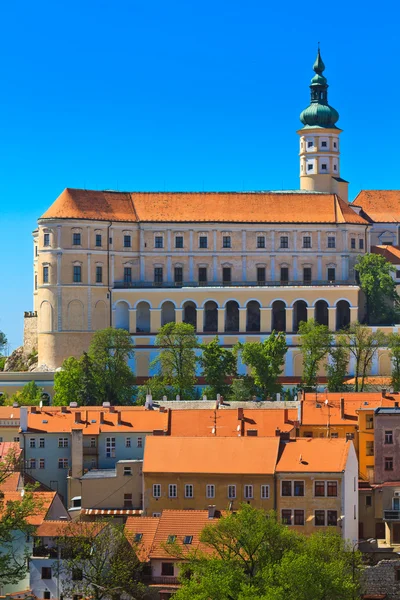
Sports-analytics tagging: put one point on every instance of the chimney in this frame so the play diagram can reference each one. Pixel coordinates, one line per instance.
(101, 417)
(119, 417)
(277, 432)
(77, 417)
(342, 408)
(211, 511)
(73, 405)
(63, 409)
(76, 453)
(15, 405)
(33, 410)
(286, 415)
(106, 405)
(300, 409)
(112, 409)
(384, 392)
(23, 418)
(240, 414)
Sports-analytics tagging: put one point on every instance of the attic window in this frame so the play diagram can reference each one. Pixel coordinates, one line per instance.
(171, 539)
(45, 421)
(93, 421)
(187, 539)
(138, 537)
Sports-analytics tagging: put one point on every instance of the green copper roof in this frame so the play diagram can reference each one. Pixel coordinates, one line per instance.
(319, 113)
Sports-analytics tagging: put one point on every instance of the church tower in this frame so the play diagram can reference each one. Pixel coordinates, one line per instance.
(319, 140)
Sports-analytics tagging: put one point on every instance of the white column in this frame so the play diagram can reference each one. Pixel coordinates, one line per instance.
(88, 237)
(295, 240)
(345, 240)
(221, 320)
(89, 290)
(112, 271)
(169, 240)
(319, 267)
(132, 320)
(190, 240)
(142, 269)
(243, 240)
(344, 269)
(214, 240)
(319, 241)
(169, 270)
(265, 319)
(295, 274)
(273, 241)
(215, 268)
(353, 314)
(244, 268)
(191, 268)
(242, 319)
(273, 267)
(332, 318)
(58, 236)
(289, 319)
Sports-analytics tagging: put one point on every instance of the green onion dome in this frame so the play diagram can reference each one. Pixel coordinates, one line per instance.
(319, 113)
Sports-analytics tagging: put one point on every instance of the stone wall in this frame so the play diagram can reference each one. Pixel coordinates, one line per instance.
(382, 579)
(30, 332)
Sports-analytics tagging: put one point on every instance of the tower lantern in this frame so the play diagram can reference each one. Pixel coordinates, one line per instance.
(319, 140)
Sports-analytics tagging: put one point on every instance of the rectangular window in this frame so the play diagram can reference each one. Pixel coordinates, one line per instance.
(352, 243)
(307, 278)
(178, 275)
(332, 489)
(306, 241)
(284, 275)
(127, 471)
(127, 274)
(32, 443)
(98, 240)
(35, 282)
(46, 596)
(286, 516)
(261, 275)
(319, 488)
(41, 442)
(76, 239)
(16, 439)
(45, 274)
(310, 167)
(226, 275)
(139, 443)
(310, 144)
(231, 492)
(77, 275)
(32, 463)
(361, 244)
(128, 501)
(368, 500)
(370, 448)
(127, 241)
(188, 490)
(369, 422)
(331, 241)
(299, 517)
(389, 463)
(46, 239)
(172, 490)
(323, 144)
(226, 241)
(203, 241)
(188, 539)
(128, 442)
(260, 241)
(93, 442)
(110, 447)
(331, 274)
(319, 518)
(388, 437)
(334, 435)
(286, 488)
(99, 274)
(46, 572)
(167, 569)
(332, 518)
(324, 166)
(284, 241)
(63, 442)
(156, 490)
(202, 274)
(264, 492)
(179, 241)
(63, 463)
(159, 241)
(298, 488)
(248, 492)
(210, 490)
(158, 274)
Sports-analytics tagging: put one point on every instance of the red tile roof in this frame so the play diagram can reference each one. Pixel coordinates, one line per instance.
(231, 455)
(12, 483)
(69, 528)
(308, 455)
(382, 206)
(391, 253)
(147, 527)
(44, 501)
(10, 447)
(233, 207)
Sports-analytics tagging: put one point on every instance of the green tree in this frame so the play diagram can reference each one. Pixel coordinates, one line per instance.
(68, 383)
(248, 556)
(379, 287)
(243, 389)
(98, 562)
(337, 368)
(265, 360)
(177, 358)
(363, 344)
(394, 346)
(30, 395)
(156, 387)
(315, 343)
(3, 342)
(218, 364)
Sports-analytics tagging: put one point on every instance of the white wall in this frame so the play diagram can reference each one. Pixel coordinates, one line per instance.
(350, 497)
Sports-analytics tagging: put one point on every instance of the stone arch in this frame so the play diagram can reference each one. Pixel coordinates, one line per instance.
(385, 364)
(209, 300)
(142, 317)
(253, 318)
(46, 316)
(322, 312)
(99, 318)
(167, 312)
(342, 314)
(190, 313)
(75, 316)
(232, 316)
(210, 316)
(122, 315)
(299, 313)
(279, 315)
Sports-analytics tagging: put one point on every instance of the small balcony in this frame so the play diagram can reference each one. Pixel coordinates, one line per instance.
(391, 515)
(165, 580)
(207, 284)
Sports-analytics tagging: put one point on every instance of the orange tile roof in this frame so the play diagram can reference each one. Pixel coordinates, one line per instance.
(331, 413)
(309, 455)
(382, 206)
(224, 423)
(138, 420)
(230, 455)
(10, 447)
(391, 253)
(44, 499)
(9, 412)
(232, 207)
(378, 380)
(12, 483)
(147, 526)
(53, 528)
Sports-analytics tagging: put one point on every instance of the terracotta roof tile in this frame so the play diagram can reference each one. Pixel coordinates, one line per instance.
(331, 412)
(223, 207)
(9, 412)
(44, 499)
(210, 455)
(391, 253)
(7, 447)
(382, 206)
(53, 528)
(308, 455)
(147, 527)
(12, 483)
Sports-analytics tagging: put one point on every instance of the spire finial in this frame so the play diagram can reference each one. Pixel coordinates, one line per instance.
(319, 66)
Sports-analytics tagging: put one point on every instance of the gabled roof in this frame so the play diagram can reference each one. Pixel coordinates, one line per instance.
(211, 207)
(9, 412)
(391, 253)
(52, 528)
(309, 455)
(230, 455)
(146, 527)
(382, 206)
(44, 501)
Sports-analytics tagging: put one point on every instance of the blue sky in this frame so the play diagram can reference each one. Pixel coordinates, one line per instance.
(180, 95)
